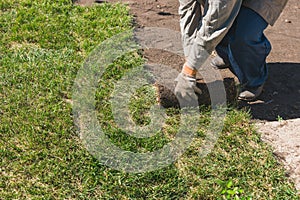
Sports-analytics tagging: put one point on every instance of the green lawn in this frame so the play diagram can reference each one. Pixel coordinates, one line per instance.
(43, 44)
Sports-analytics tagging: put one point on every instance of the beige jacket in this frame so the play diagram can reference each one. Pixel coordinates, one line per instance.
(268, 9)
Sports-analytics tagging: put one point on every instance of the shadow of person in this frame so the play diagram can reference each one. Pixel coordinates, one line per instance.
(281, 96)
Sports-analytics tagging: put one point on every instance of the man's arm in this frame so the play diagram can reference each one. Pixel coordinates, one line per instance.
(201, 35)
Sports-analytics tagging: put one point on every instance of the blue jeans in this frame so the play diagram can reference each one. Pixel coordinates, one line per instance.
(246, 48)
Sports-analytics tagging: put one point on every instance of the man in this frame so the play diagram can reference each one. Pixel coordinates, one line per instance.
(234, 28)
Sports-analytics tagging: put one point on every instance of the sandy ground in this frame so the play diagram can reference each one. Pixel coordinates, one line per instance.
(281, 96)
(284, 137)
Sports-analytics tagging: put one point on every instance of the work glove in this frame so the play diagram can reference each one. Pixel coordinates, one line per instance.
(186, 90)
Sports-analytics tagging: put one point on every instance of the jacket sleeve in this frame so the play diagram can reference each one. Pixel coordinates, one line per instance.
(201, 34)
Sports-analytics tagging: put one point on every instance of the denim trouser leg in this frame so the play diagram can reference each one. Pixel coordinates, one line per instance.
(246, 47)
(201, 32)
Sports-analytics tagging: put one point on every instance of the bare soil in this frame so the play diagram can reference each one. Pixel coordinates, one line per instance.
(281, 96)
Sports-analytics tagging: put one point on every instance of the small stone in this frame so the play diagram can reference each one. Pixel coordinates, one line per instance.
(287, 21)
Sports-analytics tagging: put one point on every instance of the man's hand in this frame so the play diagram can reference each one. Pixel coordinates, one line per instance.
(186, 90)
